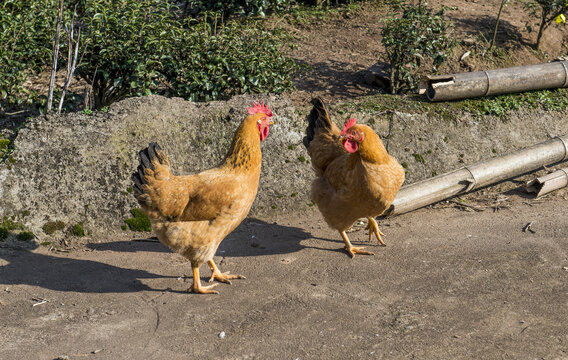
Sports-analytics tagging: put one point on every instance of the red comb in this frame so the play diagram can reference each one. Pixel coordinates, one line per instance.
(347, 125)
(259, 107)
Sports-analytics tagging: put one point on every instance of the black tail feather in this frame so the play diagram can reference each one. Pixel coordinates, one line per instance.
(318, 118)
(146, 155)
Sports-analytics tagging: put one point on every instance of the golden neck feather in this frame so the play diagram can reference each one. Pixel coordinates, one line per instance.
(371, 148)
(245, 149)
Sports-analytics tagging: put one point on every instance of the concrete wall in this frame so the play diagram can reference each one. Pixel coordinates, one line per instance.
(76, 168)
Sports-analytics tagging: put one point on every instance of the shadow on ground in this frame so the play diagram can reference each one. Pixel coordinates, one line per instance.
(66, 274)
(507, 33)
(334, 78)
(252, 238)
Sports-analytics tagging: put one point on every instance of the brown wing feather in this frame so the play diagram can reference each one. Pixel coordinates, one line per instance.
(180, 198)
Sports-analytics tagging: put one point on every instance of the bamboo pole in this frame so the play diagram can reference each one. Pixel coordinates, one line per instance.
(548, 183)
(477, 175)
(494, 82)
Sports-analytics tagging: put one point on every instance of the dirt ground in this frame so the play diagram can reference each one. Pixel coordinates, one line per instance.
(339, 48)
(450, 284)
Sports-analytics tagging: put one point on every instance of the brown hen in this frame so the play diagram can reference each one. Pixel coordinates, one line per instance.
(356, 177)
(192, 214)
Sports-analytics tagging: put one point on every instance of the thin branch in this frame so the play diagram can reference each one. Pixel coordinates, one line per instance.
(90, 103)
(71, 71)
(55, 56)
(497, 24)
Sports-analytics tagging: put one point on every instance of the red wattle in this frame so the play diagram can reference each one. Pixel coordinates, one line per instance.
(263, 132)
(350, 145)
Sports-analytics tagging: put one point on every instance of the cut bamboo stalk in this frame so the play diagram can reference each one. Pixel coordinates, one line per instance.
(498, 81)
(477, 175)
(548, 183)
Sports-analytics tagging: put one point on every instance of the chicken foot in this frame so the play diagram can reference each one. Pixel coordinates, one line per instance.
(374, 229)
(352, 250)
(197, 288)
(219, 276)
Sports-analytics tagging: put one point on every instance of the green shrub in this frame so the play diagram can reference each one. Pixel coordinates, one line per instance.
(236, 58)
(133, 48)
(25, 236)
(7, 225)
(237, 7)
(4, 146)
(228, 8)
(138, 48)
(25, 47)
(547, 11)
(10, 224)
(78, 230)
(127, 40)
(418, 37)
(139, 221)
(51, 227)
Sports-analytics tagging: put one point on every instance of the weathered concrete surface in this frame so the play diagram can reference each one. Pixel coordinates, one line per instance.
(76, 168)
(449, 285)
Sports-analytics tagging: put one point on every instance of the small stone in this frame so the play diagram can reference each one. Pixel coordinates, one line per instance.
(466, 54)
(222, 335)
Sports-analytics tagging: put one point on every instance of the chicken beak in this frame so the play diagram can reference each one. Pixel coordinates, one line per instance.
(341, 137)
(271, 122)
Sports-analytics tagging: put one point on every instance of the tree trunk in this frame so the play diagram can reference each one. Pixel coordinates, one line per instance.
(541, 29)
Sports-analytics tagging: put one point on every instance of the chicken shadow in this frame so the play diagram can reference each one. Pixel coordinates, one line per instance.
(26, 267)
(253, 237)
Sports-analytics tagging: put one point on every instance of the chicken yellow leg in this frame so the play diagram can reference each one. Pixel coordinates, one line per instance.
(197, 288)
(374, 229)
(219, 276)
(352, 250)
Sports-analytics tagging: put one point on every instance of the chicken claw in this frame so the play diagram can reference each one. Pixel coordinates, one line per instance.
(357, 250)
(352, 250)
(374, 229)
(219, 276)
(197, 288)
